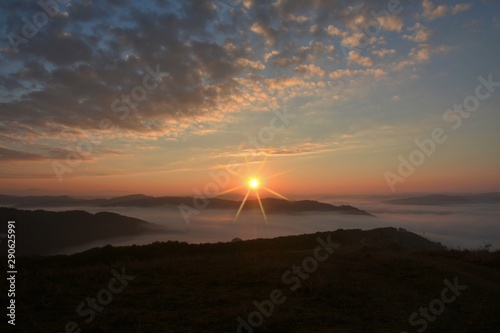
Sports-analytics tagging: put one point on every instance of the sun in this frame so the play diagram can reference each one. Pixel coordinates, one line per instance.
(254, 183)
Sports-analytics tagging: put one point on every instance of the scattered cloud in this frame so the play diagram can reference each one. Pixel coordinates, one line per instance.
(432, 12)
(384, 52)
(420, 54)
(257, 65)
(333, 31)
(309, 71)
(421, 34)
(391, 22)
(356, 58)
(377, 73)
(268, 33)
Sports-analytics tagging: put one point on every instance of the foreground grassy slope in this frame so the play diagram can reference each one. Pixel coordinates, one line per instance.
(368, 286)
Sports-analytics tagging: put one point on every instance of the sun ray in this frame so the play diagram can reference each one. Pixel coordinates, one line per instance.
(275, 193)
(261, 207)
(230, 190)
(241, 206)
(253, 181)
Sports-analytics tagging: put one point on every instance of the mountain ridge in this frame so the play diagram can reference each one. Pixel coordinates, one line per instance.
(272, 205)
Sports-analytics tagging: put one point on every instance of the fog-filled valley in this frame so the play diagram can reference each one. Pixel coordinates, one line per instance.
(455, 226)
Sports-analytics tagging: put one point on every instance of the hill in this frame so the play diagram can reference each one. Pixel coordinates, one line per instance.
(41, 232)
(373, 282)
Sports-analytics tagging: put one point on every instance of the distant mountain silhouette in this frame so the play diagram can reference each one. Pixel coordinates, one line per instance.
(443, 199)
(40, 232)
(271, 205)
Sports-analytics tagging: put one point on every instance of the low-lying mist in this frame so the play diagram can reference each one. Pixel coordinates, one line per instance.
(466, 226)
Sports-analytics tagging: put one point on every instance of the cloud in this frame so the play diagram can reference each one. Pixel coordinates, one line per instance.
(420, 54)
(376, 72)
(283, 82)
(460, 8)
(421, 34)
(269, 34)
(248, 3)
(299, 18)
(16, 155)
(284, 61)
(309, 71)
(334, 31)
(356, 58)
(432, 12)
(289, 150)
(315, 29)
(257, 65)
(72, 78)
(77, 49)
(217, 60)
(271, 54)
(384, 52)
(353, 40)
(391, 23)
(316, 47)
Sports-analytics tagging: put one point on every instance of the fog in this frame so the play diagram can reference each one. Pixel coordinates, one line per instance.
(465, 226)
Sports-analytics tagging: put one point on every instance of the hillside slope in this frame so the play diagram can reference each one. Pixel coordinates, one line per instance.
(176, 287)
(40, 232)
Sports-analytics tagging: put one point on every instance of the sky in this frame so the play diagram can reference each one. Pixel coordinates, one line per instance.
(163, 97)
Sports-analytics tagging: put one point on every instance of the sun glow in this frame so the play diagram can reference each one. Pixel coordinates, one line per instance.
(254, 183)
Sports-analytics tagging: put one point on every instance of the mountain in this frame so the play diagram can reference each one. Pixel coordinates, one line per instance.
(271, 205)
(41, 232)
(443, 199)
(490, 198)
